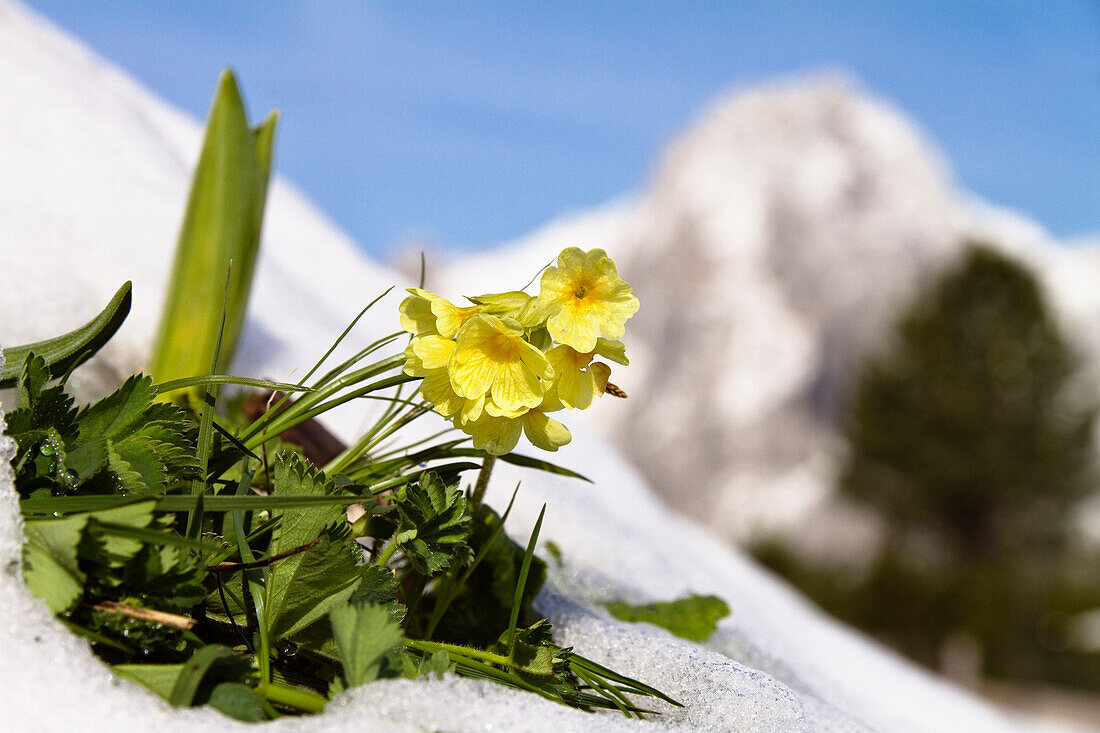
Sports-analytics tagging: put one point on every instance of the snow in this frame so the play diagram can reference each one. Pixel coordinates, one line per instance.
(96, 171)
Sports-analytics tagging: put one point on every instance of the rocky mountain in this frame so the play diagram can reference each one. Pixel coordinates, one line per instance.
(773, 246)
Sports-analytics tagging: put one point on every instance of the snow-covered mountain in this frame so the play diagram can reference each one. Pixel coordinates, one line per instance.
(776, 241)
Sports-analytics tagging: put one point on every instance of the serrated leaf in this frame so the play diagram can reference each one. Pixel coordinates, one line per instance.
(437, 513)
(363, 634)
(122, 549)
(324, 578)
(112, 418)
(49, 560)
(693, 617)
(379, 587)
(119, 411)
(136, 466)
(32, 378)
(435, 665)
(301, 588)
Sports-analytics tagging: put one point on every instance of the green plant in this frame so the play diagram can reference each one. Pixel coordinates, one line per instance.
(204, 556)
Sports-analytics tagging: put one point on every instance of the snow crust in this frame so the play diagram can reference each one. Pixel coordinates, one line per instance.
(96, 171)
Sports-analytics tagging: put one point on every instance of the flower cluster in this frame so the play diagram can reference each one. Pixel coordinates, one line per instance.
(499, 366)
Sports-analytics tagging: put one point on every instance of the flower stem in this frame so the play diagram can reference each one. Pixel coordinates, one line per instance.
(462, 651)
(482, 481)
(386, 554)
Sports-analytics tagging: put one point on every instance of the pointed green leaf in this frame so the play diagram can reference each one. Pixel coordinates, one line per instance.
(222, 223)
(64, 353)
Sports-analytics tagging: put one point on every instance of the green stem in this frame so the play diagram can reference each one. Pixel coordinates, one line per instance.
(482, 481)
(462, 651)
(386, 554)
(292, 697)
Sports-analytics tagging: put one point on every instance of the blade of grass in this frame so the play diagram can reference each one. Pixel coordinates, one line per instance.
(340, 338)
(175, 384)
(182, 503)
(521, 583)
(206, 422)
(194, 669)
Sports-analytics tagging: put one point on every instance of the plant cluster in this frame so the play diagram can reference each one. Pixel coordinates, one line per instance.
(203, 556)
(207, 556)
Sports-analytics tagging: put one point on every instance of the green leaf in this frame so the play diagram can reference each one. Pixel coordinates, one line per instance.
(379, 587)
(323, 577)
(114, 417)
(64, 353)
(121, 548)
(435, 524)
(364, 634)
(50, 563)
(193, 670)
(238, 701)
(160, 678)
(301, 588)
(222, 223)
(435, 665)
(693, 617)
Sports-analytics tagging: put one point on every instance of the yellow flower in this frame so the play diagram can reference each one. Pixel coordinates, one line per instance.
(427, 357)
(492, 357)
(584, 298)
(498, 435)
(424, 313)
(577, 379)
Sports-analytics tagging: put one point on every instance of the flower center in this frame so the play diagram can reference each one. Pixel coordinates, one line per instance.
(580, 292)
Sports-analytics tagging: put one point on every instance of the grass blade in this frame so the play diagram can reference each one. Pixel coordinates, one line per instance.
(219, 379)
(521, 582)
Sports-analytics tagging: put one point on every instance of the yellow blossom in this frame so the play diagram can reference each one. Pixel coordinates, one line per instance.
(427, 357)
(584, 298)
(424, 313)
(497, 435)
(492, 357)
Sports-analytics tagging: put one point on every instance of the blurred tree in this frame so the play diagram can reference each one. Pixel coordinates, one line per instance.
(971, 436)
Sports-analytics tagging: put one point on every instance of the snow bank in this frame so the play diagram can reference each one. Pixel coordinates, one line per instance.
(95, 175)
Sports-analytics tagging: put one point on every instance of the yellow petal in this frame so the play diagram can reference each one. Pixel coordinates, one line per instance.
(434, 351)
(416, 315)
(515, 386)
(601, 373)
(494, 435)
(545, 432)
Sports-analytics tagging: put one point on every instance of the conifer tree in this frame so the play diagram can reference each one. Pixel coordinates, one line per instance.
(971, 435)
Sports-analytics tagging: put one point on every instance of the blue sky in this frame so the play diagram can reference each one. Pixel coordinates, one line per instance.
(469, 124)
